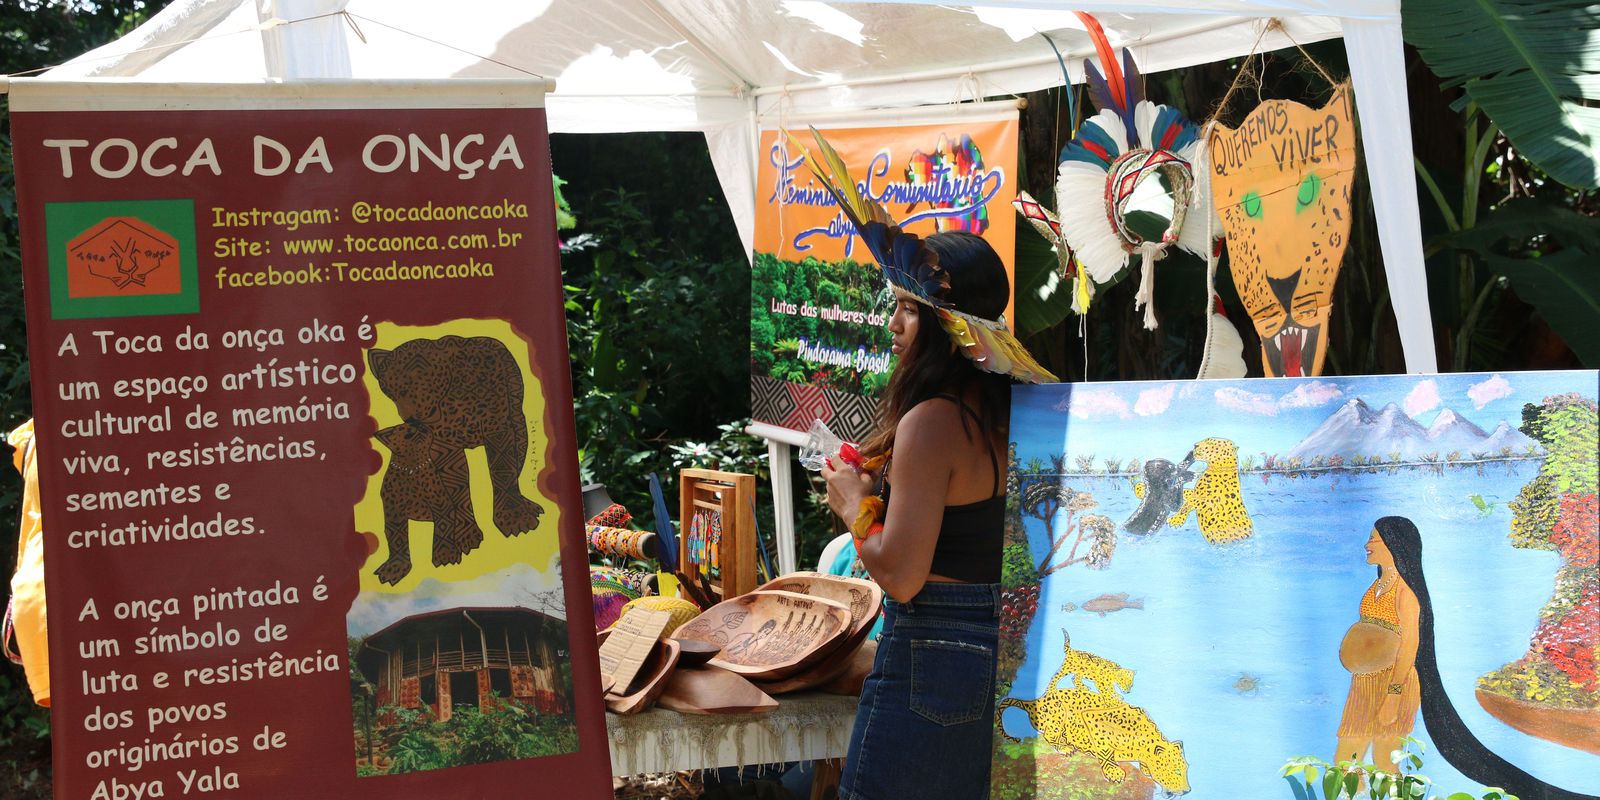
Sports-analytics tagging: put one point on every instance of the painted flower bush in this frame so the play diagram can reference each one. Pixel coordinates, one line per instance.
(1557, 510)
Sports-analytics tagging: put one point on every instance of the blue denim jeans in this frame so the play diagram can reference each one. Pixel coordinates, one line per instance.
(926, 717)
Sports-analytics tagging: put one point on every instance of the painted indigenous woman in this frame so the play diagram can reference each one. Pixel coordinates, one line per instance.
(1380, 651)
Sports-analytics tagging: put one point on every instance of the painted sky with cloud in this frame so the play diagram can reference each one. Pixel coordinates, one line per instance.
(1164, 419)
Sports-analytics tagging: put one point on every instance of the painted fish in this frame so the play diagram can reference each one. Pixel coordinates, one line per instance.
(1160, 494)
(1107, 603)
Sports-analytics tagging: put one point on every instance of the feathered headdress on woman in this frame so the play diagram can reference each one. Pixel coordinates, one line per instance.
(913, 272)
(1106, 166)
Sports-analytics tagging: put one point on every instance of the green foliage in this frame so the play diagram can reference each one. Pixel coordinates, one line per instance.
(1530, 64)
(416, 741)
(1311, 778)
(819, 285)
(1570, 423)
(564, 219)
(655, 298)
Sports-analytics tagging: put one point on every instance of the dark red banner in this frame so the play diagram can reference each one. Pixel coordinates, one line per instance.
(307, 455)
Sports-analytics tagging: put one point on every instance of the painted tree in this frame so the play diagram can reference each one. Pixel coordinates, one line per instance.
(1557, 511)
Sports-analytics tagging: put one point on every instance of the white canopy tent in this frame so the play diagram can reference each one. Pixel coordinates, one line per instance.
(723, 67)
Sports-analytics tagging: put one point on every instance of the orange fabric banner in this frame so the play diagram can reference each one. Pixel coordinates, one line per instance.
(819, 348)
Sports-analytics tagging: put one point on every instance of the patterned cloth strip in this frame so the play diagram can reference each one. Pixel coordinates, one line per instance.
(705, 541)
(621, 542)
(615, 516)
(631, 578)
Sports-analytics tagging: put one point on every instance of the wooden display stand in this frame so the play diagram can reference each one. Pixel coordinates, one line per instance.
(732, 495)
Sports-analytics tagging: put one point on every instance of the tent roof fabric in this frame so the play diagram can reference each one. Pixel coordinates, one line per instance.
(627, 65)
(725, 67)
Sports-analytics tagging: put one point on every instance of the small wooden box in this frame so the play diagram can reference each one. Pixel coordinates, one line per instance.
(729, 496)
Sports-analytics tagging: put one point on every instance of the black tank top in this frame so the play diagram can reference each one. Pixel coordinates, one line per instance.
(968, 547)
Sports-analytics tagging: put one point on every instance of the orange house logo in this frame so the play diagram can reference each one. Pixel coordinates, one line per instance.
(123, 257)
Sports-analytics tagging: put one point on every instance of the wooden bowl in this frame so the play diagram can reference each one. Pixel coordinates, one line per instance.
(696, 652)
(652, 680)
(863, 598)
(854, 677)
(770, 635)
(836, 664)
(710, 690)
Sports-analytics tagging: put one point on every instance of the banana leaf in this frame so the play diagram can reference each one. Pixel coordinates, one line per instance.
(1565, 287)
(1531, 65)
(1043, 297)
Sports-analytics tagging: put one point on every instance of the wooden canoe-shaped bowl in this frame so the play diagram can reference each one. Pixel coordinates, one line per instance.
(770, 635)
(652, 680)
(829, 668)
(863, 598)
(695, 652)
(710, 690)
(850, 681)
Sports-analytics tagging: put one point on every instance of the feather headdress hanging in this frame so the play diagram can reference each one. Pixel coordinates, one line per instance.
(913, 272)
(1047, 224)
(1108, 166)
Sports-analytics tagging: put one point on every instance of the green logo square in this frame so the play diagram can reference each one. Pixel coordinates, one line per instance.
(124, 258)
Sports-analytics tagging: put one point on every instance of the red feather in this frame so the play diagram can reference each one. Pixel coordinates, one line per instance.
(1108, 59)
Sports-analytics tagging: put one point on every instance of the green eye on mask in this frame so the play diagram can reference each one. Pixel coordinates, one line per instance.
(1309, 189)
(1252, 205)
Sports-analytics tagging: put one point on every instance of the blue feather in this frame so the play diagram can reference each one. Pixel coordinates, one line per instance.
(1133, 83)
(1168, 119)
(1077, 151)
(1099, 90)
(1066, 85)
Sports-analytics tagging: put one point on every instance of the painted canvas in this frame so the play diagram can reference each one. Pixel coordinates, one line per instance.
(1203, 580)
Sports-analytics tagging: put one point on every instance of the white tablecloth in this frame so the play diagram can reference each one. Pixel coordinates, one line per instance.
(804, 727)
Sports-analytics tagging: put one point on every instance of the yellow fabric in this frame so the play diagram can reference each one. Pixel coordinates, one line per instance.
(27, 584)
(869, 514)
(681, 610)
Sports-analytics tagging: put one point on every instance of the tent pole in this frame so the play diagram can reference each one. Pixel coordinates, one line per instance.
(1378, 68)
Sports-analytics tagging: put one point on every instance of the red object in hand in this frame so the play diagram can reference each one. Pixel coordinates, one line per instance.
(850, 455)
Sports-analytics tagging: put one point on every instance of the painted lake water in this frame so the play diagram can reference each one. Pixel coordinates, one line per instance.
(1235, 650)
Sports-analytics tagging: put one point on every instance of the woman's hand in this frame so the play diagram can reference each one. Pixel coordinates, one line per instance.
(846, 489)
(1389, 712)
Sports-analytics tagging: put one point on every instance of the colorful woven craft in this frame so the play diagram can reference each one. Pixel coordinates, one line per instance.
(705, 541)
(621, 542)
(680, 609)
(615, 516)
(639, 582)
(609, 598)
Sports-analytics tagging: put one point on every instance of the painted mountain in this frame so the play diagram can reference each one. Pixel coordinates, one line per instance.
(1356, 430)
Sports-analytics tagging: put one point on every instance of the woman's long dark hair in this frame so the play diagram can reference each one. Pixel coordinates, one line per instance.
(1450, 734)
(932, 365)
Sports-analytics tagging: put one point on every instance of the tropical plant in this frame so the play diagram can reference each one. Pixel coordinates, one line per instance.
(1529, 64)
(1311, 778)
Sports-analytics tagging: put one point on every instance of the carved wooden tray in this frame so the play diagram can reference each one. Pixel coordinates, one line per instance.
(770, 635)
(863, 598)
(710, 690)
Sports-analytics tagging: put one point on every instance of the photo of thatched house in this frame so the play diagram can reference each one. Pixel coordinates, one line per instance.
(444, 660)
(462, 686)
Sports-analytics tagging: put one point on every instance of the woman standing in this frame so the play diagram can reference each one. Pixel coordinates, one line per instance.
(1380, 650)
(927, 510)
(927, 711)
